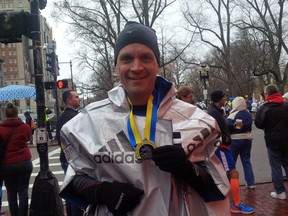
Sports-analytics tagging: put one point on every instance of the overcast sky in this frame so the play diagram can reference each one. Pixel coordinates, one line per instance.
(64, 50)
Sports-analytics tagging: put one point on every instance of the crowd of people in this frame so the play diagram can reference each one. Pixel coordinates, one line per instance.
(147, 147)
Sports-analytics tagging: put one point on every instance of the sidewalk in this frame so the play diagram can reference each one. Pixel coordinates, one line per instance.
(260, 199)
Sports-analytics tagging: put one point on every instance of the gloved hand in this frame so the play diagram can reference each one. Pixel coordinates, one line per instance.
(119, 198)
(170, 158)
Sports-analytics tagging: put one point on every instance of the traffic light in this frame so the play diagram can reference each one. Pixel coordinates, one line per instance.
(51, 62)
(49, 85)
(62, 84)
(13, 25)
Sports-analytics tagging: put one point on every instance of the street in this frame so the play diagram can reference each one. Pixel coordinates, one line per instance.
(54, 166)
(259, 162)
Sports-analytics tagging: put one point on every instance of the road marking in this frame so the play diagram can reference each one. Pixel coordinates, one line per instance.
(54, 172)
(36, 163)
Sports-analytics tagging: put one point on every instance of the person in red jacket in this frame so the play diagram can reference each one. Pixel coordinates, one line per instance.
(16, 166)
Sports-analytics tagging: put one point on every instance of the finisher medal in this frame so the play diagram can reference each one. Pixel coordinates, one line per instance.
(144, 150)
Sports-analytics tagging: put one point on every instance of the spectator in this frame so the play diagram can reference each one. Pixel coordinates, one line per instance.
(16, 167)
(29, 121)
(218, 99)
(285, 97)
(47, 118)
(272, 116)
(241, 137)
(118, 167)
(185, 93)
(72, 102)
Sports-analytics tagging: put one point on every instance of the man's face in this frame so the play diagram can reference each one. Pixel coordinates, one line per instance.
(137, 68)
(74, 100)
(223, 101)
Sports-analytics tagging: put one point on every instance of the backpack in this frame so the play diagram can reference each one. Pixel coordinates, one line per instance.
(32, 124)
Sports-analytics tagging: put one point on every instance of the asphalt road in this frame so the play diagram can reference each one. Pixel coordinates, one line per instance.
(259, 159)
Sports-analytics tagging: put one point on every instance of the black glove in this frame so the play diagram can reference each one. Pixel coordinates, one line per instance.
(170, 158)
(119, 198)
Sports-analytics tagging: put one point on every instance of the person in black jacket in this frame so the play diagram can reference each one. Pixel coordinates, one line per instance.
(28, 121)
(72, 102)
(224, 154)
(272, 116)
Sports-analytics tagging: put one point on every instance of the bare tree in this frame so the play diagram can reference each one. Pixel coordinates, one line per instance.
(96, 25)
(265, 20)
(212, 19)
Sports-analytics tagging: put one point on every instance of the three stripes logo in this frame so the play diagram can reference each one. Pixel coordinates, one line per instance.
(117, 152)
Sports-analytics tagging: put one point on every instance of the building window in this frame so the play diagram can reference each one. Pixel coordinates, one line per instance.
(10, 53)
(14, 53)
(15, 69)
(17, 83)
(5, 83)
(11, 69)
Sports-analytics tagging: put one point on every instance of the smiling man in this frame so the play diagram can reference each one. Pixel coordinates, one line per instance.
(142, 151)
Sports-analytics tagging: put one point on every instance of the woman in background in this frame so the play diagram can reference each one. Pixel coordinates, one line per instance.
(16, 167)
(241, 138)
(185, 93)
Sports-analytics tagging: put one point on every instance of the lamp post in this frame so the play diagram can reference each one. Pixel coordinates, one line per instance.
(44, 198)
(204, 69)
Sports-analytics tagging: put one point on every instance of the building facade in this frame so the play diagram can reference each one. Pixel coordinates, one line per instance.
(16, 59)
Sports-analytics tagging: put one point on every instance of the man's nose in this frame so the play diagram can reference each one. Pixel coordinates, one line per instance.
(137, 65)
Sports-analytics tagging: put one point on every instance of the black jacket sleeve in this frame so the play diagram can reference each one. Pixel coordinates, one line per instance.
(197, 176)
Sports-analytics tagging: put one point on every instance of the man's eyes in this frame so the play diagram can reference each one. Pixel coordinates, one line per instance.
(143, 57)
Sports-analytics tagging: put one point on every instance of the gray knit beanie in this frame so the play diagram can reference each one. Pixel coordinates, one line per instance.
(134, 32)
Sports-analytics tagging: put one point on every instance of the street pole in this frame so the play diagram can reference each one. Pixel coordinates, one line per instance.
(44, 199)
(204, 70)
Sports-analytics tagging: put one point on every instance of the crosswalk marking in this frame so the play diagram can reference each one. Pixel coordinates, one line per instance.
(54, 172)
(53, 155)
(31, 185)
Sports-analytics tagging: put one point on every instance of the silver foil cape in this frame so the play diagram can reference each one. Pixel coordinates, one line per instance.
(96, 143)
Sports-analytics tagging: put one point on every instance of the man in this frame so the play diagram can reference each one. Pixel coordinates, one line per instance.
(47, 118)
(224, 154)
(272, 116)
(72, 102)
(142, 151)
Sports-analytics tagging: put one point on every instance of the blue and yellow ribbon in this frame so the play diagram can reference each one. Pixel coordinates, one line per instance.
(150, 124)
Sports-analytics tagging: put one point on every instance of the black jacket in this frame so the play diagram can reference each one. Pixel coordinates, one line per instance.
(67, 114)
(217, 114)
(273, 118)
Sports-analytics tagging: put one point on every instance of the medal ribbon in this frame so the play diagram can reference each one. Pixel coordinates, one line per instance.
(150, 124)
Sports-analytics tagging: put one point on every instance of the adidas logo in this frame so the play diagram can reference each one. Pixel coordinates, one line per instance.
(117, 152)
(121, 152)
